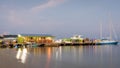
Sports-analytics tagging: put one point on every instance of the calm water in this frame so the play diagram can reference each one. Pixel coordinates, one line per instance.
(107, 56)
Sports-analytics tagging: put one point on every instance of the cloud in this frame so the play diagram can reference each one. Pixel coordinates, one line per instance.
(27, 20)
(21, 17)
(14, 18)
(24, 19)
(8, 15)
(49, 4)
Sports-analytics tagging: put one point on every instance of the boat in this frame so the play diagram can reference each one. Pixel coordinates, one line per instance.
(107, 41)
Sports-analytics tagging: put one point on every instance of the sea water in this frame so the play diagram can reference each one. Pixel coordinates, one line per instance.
(102, 56)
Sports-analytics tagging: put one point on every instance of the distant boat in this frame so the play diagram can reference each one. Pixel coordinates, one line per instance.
(107, 41)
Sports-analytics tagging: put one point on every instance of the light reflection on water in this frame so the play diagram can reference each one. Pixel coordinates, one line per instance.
(61, 57)
(22, 55)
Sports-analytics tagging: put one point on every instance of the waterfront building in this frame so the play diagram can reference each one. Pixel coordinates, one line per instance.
(77, 39)
(10, 39)
(1, 39)
(35, 38)
(74, 39)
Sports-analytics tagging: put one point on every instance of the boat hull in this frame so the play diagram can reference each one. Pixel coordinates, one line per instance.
(107, 43)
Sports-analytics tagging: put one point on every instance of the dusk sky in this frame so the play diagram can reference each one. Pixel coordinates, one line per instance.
(60, 18)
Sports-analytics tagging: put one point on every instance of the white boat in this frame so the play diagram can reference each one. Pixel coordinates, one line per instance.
(107, 41)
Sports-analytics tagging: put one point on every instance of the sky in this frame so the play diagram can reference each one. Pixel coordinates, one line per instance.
(60, 18)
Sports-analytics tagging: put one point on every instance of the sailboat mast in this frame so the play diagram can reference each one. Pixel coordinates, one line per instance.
(110, 27)
(110, 32)
(100, 30)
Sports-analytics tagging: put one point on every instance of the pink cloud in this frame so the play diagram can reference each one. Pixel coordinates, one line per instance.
(50, 3)
(27, 19)
(12, 17)
(18, 18)
(15, 18)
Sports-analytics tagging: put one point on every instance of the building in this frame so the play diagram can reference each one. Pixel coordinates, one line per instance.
(1, 39)
(35, 38)
(74, 39)
(9, 39)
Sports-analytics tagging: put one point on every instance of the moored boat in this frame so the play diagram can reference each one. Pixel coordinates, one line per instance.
(107, 42)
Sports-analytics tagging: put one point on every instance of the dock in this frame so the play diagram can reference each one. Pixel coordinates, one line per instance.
(75, 44)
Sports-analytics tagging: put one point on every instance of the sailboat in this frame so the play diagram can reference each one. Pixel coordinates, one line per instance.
(107, 41)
